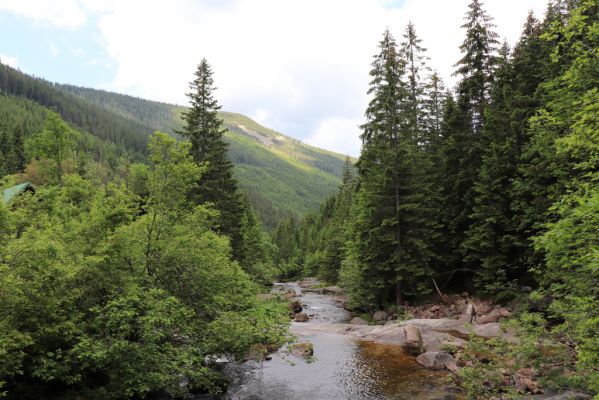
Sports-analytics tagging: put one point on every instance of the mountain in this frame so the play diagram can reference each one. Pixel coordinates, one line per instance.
(280, 175)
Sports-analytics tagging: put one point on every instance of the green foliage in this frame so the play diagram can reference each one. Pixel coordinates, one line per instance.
(569, 276)
(56, 143)
(106, 297)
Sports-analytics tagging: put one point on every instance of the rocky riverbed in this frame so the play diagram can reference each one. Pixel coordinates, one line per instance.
(345, 361)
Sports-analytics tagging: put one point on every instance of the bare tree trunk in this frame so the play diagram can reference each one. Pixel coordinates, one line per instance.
(398, 294)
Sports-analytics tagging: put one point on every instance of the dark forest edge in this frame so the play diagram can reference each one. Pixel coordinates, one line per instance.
(133, 261)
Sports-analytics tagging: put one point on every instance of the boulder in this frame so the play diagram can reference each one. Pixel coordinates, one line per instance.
(304, 349)
(452, 367)
(435, 359)
(493, 316)
(380, 316)
(257, 352)
(469, 314)
(358, 321)
(331, 290)
(524, 384)
(295, 306)
(301, 317)
(504, 312)
(413, 339)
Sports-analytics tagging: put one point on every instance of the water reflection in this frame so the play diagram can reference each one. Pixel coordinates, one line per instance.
(343, 369)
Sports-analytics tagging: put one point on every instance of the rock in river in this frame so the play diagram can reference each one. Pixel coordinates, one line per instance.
(301, 317)
(304, 349)
(358, 321)
(435, 359)
(413, 339)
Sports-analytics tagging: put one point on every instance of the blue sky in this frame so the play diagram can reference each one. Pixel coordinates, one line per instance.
(56, 54)
(298, 67)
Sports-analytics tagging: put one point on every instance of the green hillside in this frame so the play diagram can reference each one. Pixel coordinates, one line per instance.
(280, 175)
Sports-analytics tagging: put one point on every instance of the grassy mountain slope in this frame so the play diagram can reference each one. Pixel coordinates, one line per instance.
(281, 175)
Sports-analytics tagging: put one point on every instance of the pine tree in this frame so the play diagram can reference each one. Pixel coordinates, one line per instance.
(4, 150)
(463, 142)
(217, 184)
(414, 59)
(336, 230)
(490, 236)
(388, 248)
(432, 111)
(16, 155)
(476, 65)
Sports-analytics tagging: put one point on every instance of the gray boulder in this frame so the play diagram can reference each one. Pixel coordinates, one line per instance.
(435, 360)
(358, 321)
(380, 316)
(413, 339)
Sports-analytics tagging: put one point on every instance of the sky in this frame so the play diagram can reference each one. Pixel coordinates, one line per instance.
(299, 67)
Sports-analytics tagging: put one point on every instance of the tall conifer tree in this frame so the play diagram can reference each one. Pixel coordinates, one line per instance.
(463, 142)
(389, 255)
(217, 184)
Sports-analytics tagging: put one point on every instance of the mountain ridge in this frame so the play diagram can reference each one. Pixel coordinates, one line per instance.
(279, 174)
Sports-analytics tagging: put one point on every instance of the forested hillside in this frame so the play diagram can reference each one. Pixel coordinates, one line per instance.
(489, 188)
(131, 261)
(279, 174)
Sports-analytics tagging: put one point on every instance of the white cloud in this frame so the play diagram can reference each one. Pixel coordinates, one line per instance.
(60, 13)
(299, 67)
(8, 60)
(339, 134)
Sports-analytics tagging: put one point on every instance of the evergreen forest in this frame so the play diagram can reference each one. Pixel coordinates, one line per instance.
(152, 233)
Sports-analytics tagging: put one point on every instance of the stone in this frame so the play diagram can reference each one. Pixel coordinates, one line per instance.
(470, 311)
(256, 352)
(524, 384)
(469, 315)
(504, 312)
(380, 316)
(413, 339)
(452, 367)
(304, 349)
(301, 317)
(493, 316)
(295, 306)
(358, 321)
(435, 359)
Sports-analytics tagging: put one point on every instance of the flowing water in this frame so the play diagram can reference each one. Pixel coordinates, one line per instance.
(342, 368)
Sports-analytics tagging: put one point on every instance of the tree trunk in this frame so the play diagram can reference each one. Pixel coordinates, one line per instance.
(398, 294)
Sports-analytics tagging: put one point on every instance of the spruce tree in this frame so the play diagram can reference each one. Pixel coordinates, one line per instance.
(414, 59)
(336, 230)
(463, 141)
(432, 112)
(217, 184)
(16, 156)
(4, 150)
(476, 65)
(388, 247)
(490, 236)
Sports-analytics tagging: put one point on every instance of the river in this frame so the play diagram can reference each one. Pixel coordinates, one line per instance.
(342, 368)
